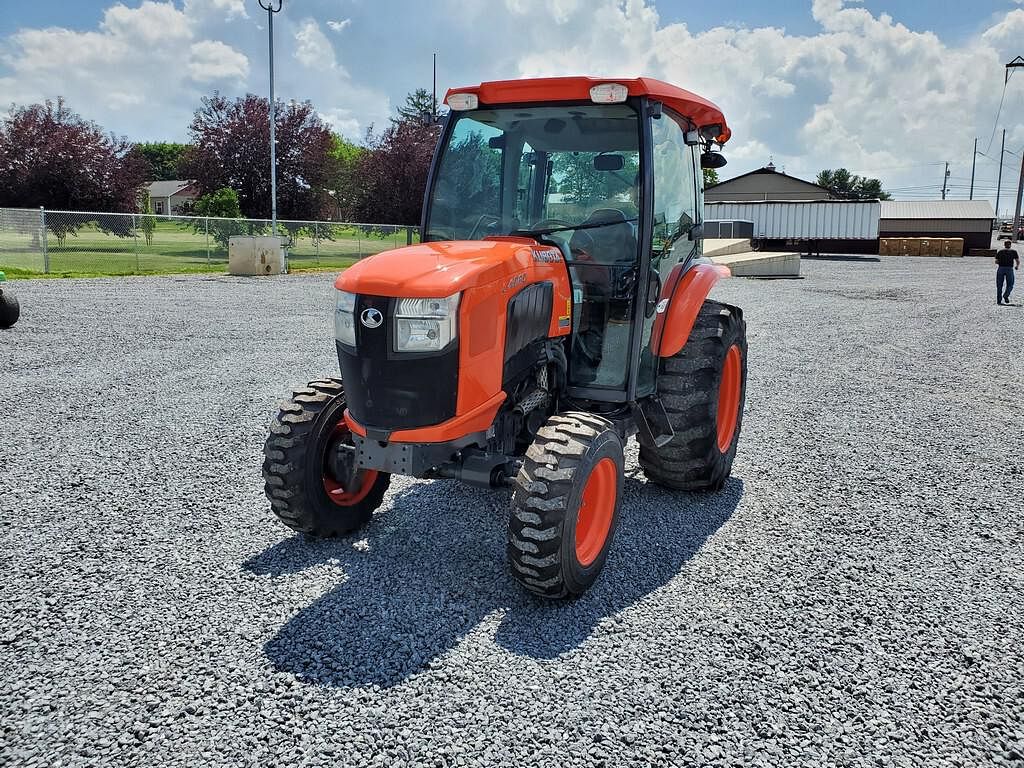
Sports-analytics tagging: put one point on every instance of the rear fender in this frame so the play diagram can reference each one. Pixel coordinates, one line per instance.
(685, 292)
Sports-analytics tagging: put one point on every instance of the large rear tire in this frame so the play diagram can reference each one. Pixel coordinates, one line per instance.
(565, 505)
(309, 490)
(703, 389)
(10, 309)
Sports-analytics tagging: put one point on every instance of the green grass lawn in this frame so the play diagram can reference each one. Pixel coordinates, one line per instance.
(175, 248)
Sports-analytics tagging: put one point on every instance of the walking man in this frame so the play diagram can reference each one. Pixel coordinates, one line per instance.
(1007, 260)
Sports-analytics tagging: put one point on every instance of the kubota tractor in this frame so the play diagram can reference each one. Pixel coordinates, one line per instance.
(555, 306)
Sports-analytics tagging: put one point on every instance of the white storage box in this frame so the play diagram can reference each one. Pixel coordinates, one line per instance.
(256, 255)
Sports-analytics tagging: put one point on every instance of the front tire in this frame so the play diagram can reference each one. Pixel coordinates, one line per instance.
(308, 489)
(10, 309)
(565, 505)
(703, 388)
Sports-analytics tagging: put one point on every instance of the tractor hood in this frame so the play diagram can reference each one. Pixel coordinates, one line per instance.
(438, 269)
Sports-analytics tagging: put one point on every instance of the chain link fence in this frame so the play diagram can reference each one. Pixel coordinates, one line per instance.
(40, 241)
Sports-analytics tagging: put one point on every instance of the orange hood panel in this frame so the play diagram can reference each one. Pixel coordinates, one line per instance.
(431, 270)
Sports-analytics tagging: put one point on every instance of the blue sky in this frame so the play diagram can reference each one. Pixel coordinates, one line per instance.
(893, 88)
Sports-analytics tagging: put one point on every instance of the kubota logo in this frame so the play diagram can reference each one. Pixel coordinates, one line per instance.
(371, 318)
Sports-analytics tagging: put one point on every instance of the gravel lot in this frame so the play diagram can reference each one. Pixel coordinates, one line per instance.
(853, 596)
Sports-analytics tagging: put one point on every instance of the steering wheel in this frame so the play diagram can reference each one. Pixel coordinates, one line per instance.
(480, 220)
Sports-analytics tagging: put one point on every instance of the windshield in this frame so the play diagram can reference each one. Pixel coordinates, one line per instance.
(521, 169)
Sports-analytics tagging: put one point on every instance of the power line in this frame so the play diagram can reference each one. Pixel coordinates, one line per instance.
(995, 123)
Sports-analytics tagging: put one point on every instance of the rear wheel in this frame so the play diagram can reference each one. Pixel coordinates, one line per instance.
(311, 479)
(10, 310)
(703, 388)
(565, 505)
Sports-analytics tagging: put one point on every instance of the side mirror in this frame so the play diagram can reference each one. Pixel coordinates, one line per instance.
(609, 163)
(696, 232)
(496, 142)
(711, 159)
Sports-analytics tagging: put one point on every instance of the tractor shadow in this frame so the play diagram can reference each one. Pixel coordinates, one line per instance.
(431, 567)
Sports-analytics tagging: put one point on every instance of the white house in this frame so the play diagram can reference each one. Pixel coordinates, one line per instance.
(169, 196)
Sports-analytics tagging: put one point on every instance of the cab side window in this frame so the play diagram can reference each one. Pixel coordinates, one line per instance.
(675, 192)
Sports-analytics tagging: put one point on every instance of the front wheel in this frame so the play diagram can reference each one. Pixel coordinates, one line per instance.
(565, 505)
(309, 467)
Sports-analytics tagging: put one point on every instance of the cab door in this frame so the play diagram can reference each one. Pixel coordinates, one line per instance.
(677, 207)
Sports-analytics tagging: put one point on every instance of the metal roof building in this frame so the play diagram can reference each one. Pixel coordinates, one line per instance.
(764, 184)
(969, 219)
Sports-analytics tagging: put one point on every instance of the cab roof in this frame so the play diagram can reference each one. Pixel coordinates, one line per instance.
(544, 89)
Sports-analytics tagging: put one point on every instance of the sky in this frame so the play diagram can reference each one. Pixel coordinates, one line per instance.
(886, 88)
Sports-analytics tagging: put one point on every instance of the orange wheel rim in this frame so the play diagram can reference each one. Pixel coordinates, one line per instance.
(339, 493)
(597, 507)
(729, 397)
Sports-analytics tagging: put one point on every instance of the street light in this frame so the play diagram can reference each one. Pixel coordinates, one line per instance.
(268, 6)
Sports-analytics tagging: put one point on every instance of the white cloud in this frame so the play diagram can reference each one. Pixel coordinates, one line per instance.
(137, 71)
(226, 9)
(338, 26)
(212, 60)
(864, 91)
(313, 49)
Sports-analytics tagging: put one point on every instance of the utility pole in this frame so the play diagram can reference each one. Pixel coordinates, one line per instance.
(999, 183)
(268, 6)
(1020, 193)
(945, 181)
(433, 98)
(974, 162)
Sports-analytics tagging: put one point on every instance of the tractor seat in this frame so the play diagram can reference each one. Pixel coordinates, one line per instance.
(614, 244)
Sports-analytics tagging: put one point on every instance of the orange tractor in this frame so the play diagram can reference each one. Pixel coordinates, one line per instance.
(555, 306)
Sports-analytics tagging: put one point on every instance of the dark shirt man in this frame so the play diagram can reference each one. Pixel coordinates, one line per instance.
(1007, 260)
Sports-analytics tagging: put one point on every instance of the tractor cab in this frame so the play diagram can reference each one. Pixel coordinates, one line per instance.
(612, 179)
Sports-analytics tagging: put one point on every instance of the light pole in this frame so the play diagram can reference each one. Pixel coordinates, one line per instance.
(268, 6)
(1016, 63)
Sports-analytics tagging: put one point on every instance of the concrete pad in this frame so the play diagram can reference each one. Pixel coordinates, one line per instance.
(761, 264)
(724, 246)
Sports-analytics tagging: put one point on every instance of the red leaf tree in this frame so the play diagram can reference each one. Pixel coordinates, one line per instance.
(50, 156)
(391, 175)
(231, 148)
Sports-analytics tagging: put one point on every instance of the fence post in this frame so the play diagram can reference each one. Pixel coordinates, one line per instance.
(42, 240)
(408, 235)
(135, 235)
(316, 240)
(206, 224)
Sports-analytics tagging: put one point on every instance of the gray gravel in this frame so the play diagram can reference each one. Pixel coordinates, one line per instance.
(853, 596)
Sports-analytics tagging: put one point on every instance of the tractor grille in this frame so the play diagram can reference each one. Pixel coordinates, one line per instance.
(387, 390)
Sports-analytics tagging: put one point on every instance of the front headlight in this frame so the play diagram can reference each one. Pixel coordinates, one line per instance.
(345, 318)
(425, 325)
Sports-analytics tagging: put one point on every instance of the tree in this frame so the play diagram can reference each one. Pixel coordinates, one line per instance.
(163, 158)
(222, 207)
(147, 222)
(50, 156)
(418, 104)
(710, 177)
(345, 183)
(231, 148)
(848, 186)
(392, 174)
(580, 182)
